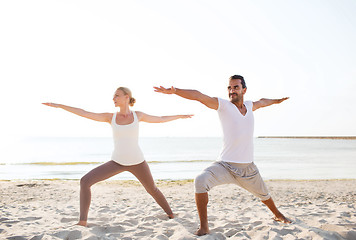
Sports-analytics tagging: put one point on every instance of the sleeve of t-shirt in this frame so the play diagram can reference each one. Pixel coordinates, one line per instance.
(222, 104)
(249, 105)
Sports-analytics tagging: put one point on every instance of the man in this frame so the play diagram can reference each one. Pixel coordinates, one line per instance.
(235, 163)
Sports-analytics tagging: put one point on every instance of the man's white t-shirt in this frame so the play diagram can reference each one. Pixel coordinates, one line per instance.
(238, 132)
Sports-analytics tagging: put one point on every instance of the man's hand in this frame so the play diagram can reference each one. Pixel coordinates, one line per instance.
(161, 89)
(281, 100)
(210, 102)
(265, 102)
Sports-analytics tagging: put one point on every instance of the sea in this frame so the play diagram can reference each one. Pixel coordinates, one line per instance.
(173, 158)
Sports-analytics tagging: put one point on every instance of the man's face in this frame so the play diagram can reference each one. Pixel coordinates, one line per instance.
(236, 92)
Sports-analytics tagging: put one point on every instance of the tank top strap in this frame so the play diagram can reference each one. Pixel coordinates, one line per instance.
(113, 120)
(135, 116)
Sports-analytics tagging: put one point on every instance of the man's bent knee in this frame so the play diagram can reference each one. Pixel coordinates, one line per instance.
(201, 182)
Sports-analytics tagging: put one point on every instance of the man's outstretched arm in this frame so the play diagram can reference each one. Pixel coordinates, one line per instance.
(210, 102)
(264, 102)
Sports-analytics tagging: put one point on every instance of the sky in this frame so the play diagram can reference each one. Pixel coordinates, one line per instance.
(78, 52)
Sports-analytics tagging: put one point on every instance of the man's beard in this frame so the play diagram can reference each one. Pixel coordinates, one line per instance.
(237, 97)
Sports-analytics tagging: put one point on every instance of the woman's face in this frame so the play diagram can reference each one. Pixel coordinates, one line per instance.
(120, 98)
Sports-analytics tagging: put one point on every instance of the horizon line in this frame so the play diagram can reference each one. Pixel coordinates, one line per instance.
(311, 137)
(315, 136)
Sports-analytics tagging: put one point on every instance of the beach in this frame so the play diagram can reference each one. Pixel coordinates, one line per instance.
(49, 209)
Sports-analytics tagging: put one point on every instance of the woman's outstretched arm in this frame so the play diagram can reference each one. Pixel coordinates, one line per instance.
(159, 119)
(100, 117)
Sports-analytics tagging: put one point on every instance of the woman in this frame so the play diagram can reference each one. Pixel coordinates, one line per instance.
(127, 155)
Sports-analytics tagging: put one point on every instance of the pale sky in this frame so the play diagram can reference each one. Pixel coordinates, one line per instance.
(78, 52)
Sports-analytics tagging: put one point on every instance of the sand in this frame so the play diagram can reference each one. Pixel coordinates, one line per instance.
(48, 209)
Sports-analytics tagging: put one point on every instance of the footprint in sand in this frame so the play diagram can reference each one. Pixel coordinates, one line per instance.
(74, 214)
(161, 237)
(262, 229)
(133, 221)
(16, 238)
(162, 217)
(217, 236)
(236, 226)
(218, 229)
(30, 219)
(332, 227)
(103, 230)
(256, 223)
(130, 214)
(104, 209)
(27, 185)
(147, 224)
(322, 221)
(345, 214)
(150, 218)
(146, 232)
(231, 233)
(8, 223)
(286, 231)
(168, 233)
(68, 234)
(65, 220)
(169, 224)
(244, 219)
(41, 237)
(104, 219)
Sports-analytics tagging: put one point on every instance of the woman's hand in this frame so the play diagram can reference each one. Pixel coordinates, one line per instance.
(55, 105)
(100, 117)
(160, 119)
(186, 116)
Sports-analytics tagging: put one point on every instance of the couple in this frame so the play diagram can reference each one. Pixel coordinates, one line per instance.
(235, 164)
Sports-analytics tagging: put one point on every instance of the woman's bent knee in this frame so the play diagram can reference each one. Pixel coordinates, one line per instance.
(152, 190)
(85, 182)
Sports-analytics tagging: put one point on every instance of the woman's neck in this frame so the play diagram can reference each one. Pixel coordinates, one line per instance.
(125, 110)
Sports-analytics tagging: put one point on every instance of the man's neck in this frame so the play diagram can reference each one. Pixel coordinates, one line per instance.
(241, 107)
(239, 104)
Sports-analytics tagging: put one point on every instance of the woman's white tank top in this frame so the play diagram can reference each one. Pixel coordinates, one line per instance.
(126, 149)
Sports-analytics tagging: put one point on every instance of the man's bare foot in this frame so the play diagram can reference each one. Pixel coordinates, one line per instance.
(202, 231)
(82, 223)
(171, 216)
(281, 218)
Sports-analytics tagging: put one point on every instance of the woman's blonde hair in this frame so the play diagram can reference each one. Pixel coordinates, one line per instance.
(128, 93)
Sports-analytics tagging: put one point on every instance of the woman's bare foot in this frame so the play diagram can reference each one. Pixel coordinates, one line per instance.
(82, 223)
(281, 218)
(202, 231)
(171, 216)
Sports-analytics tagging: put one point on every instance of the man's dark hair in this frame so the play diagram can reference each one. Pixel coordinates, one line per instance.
(241, 78)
